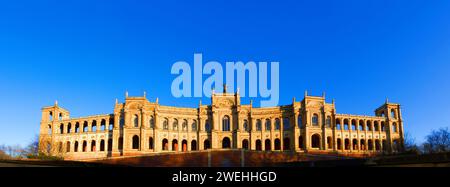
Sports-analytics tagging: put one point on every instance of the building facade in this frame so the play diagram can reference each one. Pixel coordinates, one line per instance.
(140, 127)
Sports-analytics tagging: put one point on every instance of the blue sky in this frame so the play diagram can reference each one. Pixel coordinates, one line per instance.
(85, 54)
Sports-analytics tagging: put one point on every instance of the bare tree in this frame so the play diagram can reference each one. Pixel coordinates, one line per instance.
(438, 141)
(10, 152)
(3, 155)
(410, 143)
(33, 148)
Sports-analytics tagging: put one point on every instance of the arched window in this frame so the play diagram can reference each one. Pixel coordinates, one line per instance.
(286, 124)
(362, 144)
(194, 125)
(361, 125)
(184, 145)
(185, 125)
(207, 126)
(193, 145)
(339, 144)
(61, 129)
(50, 116)
(77, 127)
(166, 124)
(383, 127)
(277, 144)
(75, 148)
(135, 142)
(85, 127)
(354, 125)
(258, 145)
(300, 121)
(246, 129)
(258, 125)
(102, 145)
(69, 128)
(328, 122)
(394, 127)
(111, 124)
(315, 120)
(151, 122)
(136, 121)
(377, 127)
(226, 143)
(393, 115)
(175, 125)
(315, 141)
(338, 124)
(377, 145)
(93, 146)
(370, 145)
(347, 144)
(206, 145)
(268, 125)
(175, 145)
(245, 144)
(165, 145)
(60, 116)
(103, 125)
(277, 124)
(369, 126)
(226, 124)
(268, 145)
(84, 146)
(355, 144)
(94, 126)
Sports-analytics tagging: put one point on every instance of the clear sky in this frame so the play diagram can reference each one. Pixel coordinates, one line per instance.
(85, 54)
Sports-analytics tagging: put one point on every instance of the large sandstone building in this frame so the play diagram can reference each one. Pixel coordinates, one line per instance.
(141, 127)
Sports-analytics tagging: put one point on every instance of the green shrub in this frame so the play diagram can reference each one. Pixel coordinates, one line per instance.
(43, 156)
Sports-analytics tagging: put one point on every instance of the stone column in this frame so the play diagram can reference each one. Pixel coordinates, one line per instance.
(282, 134)
(144, 125)
(306, 139)
(201, 127)
(65, 126)
(106, 144)
(116, 135)
(98, 125)
(157, 141)
(324, 136)
(296, 132)
(272, 132)
(252, 140)
(89, 129)
(215, 128)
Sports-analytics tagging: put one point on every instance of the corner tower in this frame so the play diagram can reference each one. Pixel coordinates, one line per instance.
(50, 118)
(394, 129)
